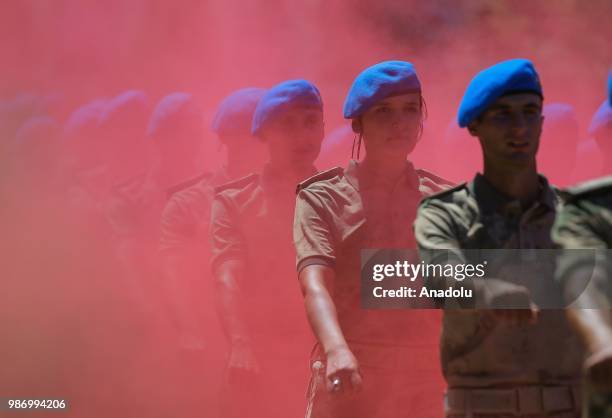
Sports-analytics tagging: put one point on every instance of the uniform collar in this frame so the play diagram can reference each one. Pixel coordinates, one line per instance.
(409, 176)
(272, 178)
(492, 200)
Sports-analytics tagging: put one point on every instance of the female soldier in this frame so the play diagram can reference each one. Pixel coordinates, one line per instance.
(392, 354)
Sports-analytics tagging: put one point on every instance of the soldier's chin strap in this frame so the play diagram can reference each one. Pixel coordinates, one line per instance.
(358, 146)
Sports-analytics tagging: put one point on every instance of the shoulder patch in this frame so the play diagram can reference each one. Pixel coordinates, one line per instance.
(324, 175)
(445, 192)
(186, 184)
(238, 184)
(437, 179)
(589, 187)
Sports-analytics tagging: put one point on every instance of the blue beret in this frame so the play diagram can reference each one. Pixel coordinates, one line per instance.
(128, 109)
(282, 96)
(601, 119)
(85, 119)
(610, 88)
(516, 75)
(127, 99)
(39, 131)
(385, 79)
(235, 113)
(175, 111)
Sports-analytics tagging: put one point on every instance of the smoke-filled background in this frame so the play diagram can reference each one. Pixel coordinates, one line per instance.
(76, 322)
(67, 54)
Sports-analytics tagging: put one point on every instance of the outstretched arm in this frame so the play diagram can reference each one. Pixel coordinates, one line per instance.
(316, 281)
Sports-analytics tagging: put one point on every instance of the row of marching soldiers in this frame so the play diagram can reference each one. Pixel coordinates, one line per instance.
(140, 283)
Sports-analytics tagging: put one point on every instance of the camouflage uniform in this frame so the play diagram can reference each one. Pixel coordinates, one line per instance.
(586, 222)
(492, 368)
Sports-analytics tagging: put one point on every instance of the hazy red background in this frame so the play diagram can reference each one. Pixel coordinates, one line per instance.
(66, 53)
(86, 49)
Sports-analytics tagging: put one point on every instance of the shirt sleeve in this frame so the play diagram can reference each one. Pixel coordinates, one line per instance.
(434, 230)
(312, 233)
(438, 243)
(575, 227)
(226, 237)
(577, 231)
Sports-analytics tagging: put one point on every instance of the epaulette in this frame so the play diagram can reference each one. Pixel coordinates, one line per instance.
(238, 184)
(588, 188)
(439, 180)
(445, 192)
(323, 175)
(186, 184)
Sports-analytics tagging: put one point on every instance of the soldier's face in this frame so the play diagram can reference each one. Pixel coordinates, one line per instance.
(295, 136)
(509, 130)
(180, 149)
(392, 125)
(245, 151)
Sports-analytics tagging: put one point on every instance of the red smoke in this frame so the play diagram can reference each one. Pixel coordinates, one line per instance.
(70, 327)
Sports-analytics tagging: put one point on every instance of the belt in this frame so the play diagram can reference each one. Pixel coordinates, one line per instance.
(519, 400)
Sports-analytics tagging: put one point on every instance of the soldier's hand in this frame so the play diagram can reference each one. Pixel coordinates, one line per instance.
(517, 316)
(599, 368)
(342, 373)
(242, 359)
(510, 303)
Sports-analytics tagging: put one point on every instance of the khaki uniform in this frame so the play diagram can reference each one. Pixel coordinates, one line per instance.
(133, 211)
(186, 216)
(184, 243)
(335, 218)
(251, 223)
(184, 255)
(586, 222)
(493, 368)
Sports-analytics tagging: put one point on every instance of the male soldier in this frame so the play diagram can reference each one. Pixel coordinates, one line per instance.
(184, 250)
(161, 149)
(184, 224)
(165, 156)
(85, 158)
(252, 257)
(586, 222)
(499, 362)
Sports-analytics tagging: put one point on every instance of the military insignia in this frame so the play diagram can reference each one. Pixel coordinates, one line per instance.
(445, 192)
